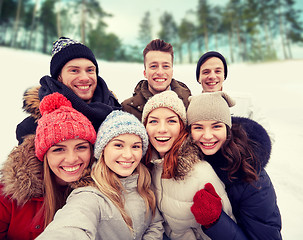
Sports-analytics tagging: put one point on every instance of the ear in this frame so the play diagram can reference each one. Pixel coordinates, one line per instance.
(144, 73)
(228, 99)
(60, 78)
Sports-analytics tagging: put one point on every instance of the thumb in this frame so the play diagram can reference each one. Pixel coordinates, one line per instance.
(210, 188)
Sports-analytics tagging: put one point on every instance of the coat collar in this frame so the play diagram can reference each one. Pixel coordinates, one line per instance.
(21, 174)
(188, 155)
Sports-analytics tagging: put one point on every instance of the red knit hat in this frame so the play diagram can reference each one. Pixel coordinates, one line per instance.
(60, 122)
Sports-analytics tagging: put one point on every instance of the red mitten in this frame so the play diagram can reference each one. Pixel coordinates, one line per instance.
(207, 206)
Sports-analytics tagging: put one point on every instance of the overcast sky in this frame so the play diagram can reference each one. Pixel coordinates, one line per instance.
(128, 14)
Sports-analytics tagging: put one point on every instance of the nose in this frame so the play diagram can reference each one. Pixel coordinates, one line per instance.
(127, 153)
(212, 75)
(71, 157)
(83, 75)
(160, 70)
(162, 127)
(207, 135)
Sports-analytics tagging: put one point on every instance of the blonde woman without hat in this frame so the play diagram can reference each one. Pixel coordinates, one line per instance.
(238, 149)
(35, 179)
(178, 172)
(116, 201)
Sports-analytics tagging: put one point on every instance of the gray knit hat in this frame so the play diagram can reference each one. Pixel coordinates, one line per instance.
(115, 124)
(210, 106)
(166, 99)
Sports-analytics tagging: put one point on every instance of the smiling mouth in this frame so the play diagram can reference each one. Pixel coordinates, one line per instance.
(211, 83)
(125, 164)
(71, 169)
(162, 139)
(160, 80)
(83, 87)
(209, 145)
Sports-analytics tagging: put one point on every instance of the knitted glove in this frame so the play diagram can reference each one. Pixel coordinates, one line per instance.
(207, 206)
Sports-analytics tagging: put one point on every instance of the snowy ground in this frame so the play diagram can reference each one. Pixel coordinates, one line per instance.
(277, 87)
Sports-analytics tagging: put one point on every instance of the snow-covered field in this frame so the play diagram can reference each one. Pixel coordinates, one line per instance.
(277, 88)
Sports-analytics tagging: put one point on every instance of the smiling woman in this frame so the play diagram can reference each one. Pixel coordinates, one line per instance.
(116, 200)
(177, 170)
(43, 167)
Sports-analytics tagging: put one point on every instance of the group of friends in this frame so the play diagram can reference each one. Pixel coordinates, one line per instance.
(163, 164)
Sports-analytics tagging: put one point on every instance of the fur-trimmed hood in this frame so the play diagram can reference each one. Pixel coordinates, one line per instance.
(31, 102)
(189, 154)
(21, 174)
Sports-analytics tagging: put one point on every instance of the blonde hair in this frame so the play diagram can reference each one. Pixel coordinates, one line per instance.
(110, 185)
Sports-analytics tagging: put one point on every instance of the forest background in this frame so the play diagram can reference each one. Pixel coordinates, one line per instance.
(116, 30)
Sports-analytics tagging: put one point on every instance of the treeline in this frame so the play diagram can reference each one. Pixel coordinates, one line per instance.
(250, 30)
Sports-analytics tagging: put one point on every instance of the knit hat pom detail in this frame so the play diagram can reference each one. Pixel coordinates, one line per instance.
(52, 102)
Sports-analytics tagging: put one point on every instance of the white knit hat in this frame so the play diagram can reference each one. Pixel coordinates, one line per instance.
(115, 124)
(166, 99)
(210, 106)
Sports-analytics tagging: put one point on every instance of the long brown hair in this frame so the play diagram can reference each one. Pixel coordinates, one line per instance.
(110, 185)
(55, 195)
(238, 150)
(171, 157)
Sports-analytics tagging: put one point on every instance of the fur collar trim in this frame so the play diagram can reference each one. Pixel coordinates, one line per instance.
(31, 102)
(189, 154)
(21, 174)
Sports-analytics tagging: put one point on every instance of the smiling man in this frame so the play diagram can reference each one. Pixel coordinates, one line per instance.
(74, 73)
(158, 70)
(211, 72)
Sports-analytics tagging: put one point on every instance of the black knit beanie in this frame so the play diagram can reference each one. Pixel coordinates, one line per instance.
(207, 56)
(66, 49)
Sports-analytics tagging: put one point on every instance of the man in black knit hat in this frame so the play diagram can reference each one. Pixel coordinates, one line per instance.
(74, 73)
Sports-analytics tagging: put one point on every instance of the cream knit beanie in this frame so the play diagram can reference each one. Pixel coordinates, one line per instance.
(166, 99)
(210, 106)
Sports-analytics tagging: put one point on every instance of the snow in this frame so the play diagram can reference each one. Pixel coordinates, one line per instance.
(276, 87)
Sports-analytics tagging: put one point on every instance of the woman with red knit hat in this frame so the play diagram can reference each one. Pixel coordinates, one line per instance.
(35, 179)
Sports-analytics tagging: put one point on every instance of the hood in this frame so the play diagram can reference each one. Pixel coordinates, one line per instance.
(31, 102)
(21, 174)
(256, 133)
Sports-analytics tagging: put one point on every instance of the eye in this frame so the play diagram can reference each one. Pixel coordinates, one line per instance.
(137, 146)
(152, 121)
(74, 70)
(153, 66)
(118, 145)
(82, 147)
(172, 121)
(57, 149)
(166, 66)
(218, 126)
(196, 128)
(91, 70)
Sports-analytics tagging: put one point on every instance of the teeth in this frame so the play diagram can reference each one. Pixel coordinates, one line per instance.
(160, 80)
(83, 87)
(71, 169)
(125, 163)
(162, 138)
(212, 83)
(208, 144)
